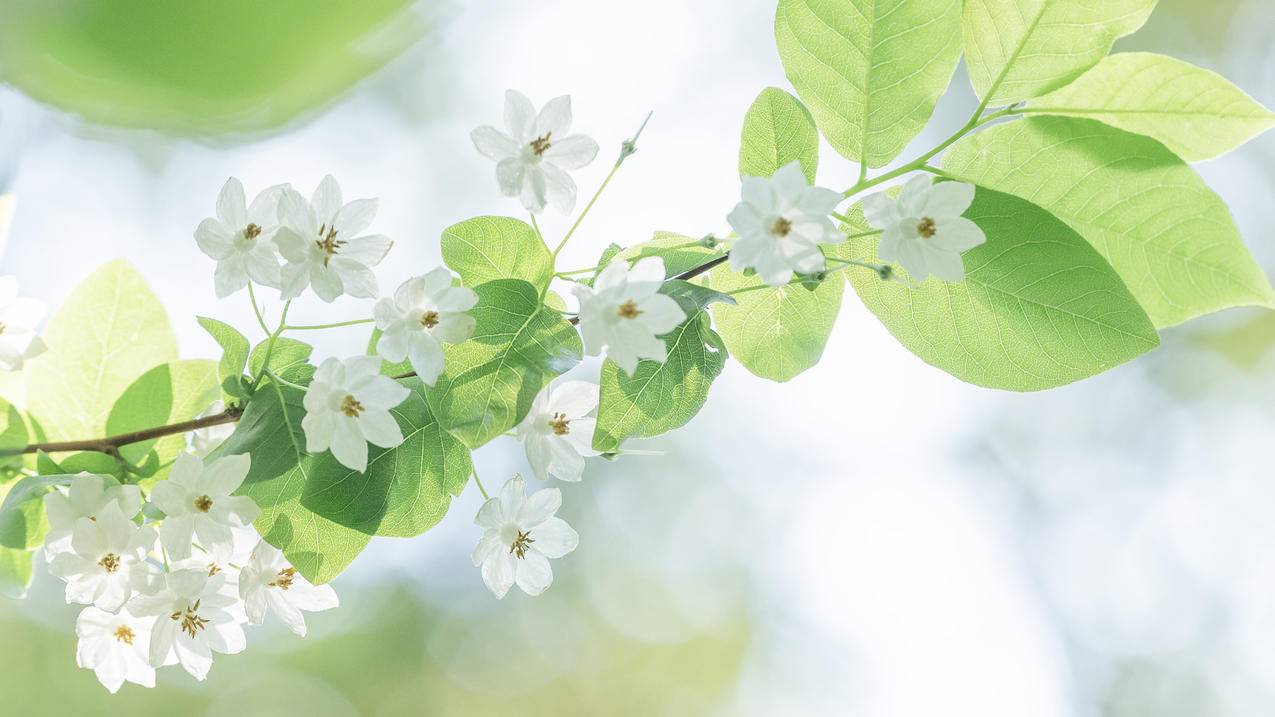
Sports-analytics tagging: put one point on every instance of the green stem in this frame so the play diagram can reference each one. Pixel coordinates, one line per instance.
(282, 381)
(274, 337)
(261, 321)
(600, 267)
(479, 483)
(337, 325)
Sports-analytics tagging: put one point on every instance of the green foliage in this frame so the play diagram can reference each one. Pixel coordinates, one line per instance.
(680, 253)
(22, 520)
(778, 130)
(110, 330)
(776, 333)
(1170, 238)
(234, 348)
(485, 249)
(1196, 113)
(15, 573)
(168, 393)
(13, 433)
(1039, 307)
(518, 347)
(1019, 49)
(870, 71)
(659, 397)
(288, 359)
(199, 68)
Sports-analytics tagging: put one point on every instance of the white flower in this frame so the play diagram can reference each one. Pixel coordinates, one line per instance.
(106, 553)
(781, 222)
(193, 615)
(197, 503)
(321, 240)
(242, 541)
(624, 312)
(18, 319)
(557, 434)
(924, 230)
(269, 581)
(240, 238)
(531, 158)
(86, 497)
(115, 646)
(205, 440)
(522, 534)
(425, 312)
(347, 405)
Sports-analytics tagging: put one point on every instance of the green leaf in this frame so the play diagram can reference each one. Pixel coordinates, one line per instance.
(15, 573)
(1019, 49)
(13, 433)
(659, 397)
(776, 333)
(111, 330)
(406, 490)
(1039, 307)
(1170, 238)
(169, 393)
(22, 520)
(288, 359)
(680, 253)
(485, 249)
(778, 130)
(693, 298)
(1197, 114)
(234, 347)
(270, 432)
(870, 71)
(518, 346)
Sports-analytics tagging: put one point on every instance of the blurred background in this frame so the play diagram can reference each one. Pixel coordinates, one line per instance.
(873, 538)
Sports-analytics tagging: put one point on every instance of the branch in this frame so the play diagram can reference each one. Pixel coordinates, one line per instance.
(111, 444)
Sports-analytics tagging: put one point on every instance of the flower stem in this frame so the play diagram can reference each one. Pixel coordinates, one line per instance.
(337, 325)
(627, 148)
(252, 296)
(479, 483)
(265, 363)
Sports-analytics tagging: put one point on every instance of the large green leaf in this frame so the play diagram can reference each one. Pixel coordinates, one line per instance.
(169, 393)
(405, 490)
(1170, 238)
(1019, 49)
(870, 71)
(15, 573)
(227, 67)
(659, 397)
(484, 249)
(270, 432)
(22, 520)
(1196, 113)
(1039, 307)
(776, 333)
(778, 130)
(518, 346)
(111, 330)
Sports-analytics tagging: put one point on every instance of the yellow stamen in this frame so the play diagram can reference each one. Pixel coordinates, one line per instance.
(520, 545)
(781, 227)
(110, 562)
(927, 228)
(124, 634)
(284, 579)
(540, 145)
(560, 424)
(203, 503)
(328, 243)
(351, 407)
(629, 310)
(191, 622)
(429, 319)
(252, 231)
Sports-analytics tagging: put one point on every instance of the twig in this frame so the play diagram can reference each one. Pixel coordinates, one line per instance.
(111, 444)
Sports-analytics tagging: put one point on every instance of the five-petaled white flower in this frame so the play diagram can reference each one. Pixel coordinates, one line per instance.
(532, 158)
(205, 440)
(192, 615)
(106, 553)
(425, 312)
(348, 406)
(924, 230)
(115, 646)
(197, 503)
(781, 222)
(268, 581)
(522, 534)
(19, 317)
(557, 433)
(321, 241)
(86, 497)
(240, 238)
(624, 312)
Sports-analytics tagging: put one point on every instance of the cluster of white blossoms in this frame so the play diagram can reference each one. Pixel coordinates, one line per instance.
(177, 595)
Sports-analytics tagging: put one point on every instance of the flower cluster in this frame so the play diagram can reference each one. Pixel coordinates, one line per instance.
(177, 595)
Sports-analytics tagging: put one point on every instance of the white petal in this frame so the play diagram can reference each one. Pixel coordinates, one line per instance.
(494, 144)
(572, 152)
(213, 239)
(758, 193)
(327, 200)
(354, 217)
(426, 357)
(880, 210)
(380, 428)
(948, 199)
(510, 174)
(224, 475)
(947, 266)
(554, 118)
(498, 573)
(231, 205)
(534, 575)
(538, 507)
(533, 194)
(487, 545)
(574, 398)
(349, 447)
(367, 250)
(661, 314)
(560, 188)
(957, 234)
(520, 116)
(915, 196)
(555, 538)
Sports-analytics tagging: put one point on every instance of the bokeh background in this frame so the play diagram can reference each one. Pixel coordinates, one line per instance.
(873, 538)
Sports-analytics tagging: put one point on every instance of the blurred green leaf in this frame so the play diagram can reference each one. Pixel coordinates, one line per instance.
(169, 393)
(15, 572)
(22, 520)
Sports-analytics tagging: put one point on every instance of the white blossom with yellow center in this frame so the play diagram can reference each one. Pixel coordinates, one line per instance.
(198, 502)
(426, 312)
(923, 229)
(107, 551)
(557, 433)
(624, 313)
(522, 534)
(269, 582)
(241, 238)
(347, 406)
